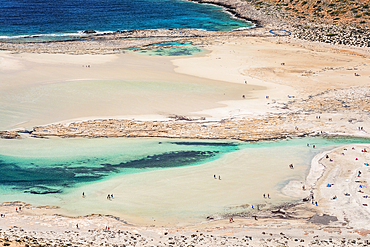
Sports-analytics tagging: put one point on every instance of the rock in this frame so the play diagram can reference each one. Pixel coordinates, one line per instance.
(9, 135)
(89, 32)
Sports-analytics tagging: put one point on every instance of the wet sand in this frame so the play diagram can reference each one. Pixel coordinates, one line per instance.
(39, 89)
(342, 221)
(309, 69)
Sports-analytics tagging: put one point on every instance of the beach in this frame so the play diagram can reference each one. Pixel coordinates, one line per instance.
(240, 86)
(341, 221)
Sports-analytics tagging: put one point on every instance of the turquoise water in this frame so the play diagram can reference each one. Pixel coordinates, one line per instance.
(168, 49)
(40, 20)
(47, 166)
(171, 44)
(185, 50)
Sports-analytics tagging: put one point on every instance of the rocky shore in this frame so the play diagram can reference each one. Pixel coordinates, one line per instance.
(297, 118)
(265, 15)
(303, 24)
(15, 236)
(244, 130)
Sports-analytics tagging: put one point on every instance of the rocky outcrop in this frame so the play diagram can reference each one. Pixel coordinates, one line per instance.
(9, 134)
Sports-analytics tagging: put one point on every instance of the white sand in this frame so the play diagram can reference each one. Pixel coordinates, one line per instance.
(340, 170)
(308, 69)
(39, 89)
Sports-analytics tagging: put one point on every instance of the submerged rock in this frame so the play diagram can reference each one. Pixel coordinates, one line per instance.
(89, 31)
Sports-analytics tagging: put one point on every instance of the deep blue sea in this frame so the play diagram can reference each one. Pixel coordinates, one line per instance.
(57, 17)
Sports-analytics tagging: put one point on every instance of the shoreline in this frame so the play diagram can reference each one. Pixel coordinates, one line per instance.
(302, 221)
(327, 100)
(265, 16)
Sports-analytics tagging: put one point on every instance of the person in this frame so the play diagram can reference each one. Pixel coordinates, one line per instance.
(255, 217)
(268, 196)
(214, 176)
(264, 196)
(77, 226)
(219, 177)
(83, 194)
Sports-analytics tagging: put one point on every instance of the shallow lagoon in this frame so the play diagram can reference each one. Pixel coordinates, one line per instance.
(162, 181)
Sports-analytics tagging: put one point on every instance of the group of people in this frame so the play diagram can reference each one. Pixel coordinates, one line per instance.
(109, 196)
(268, 196)
(215, 177)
